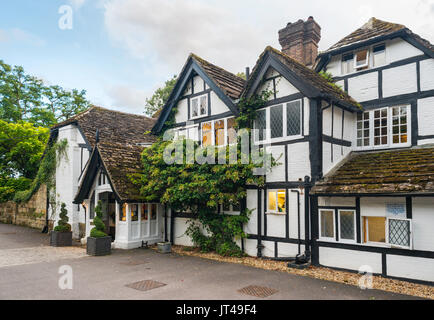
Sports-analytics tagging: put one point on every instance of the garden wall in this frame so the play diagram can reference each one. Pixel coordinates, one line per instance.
(29, 214)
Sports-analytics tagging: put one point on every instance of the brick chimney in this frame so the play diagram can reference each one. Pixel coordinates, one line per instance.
(300, 39)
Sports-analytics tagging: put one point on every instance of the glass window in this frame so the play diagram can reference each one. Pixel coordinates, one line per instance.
(92, 206)
(276, 121)
(380, 127)
(144, 213)
(347, 63)
(374, 229)
(400, 232)
(199, 106)
(379, 55)
(327, 224)
(399, 125)
(277, 201)
(194, 108)
(123, 213)
(261, 125)
(219, 132)
(206, 134)
(363, 129)
(153, 211)
(134, 212)
(347, 228)
(361, 61)
(293, 118)
(232, 134)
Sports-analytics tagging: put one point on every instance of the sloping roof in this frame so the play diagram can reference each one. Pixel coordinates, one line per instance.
(409, 171)
(228, 82)
(373, 29)
(305, 75)
(121, 140)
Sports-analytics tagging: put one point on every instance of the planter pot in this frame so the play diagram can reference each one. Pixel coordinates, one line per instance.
(164, 247)
(99, 246)
(60, 239)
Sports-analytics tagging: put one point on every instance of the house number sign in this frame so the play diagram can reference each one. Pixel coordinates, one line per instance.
(395, 209)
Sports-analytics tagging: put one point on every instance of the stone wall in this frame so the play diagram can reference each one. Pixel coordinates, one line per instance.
(30, 214)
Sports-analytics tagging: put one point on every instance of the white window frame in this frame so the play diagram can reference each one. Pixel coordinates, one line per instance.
(377, 53)
(186, 131)
(390, 144)
(369, 60)
(198, 98)
(355, 226)
(231, 211)
(358, 67)
(284, 137)
(321, 238)
(411, 233)
(276, 212)
(213, 132)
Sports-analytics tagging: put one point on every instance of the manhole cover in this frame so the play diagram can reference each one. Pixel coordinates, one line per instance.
(256, 291)
(145, 285)
(133, 263)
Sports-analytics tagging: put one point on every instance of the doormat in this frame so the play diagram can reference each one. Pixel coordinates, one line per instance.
(257, 291)
(145, 285)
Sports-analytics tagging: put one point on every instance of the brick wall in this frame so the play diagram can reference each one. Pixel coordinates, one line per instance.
(29, 214)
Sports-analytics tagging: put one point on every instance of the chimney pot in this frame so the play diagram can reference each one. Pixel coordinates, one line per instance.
(300, 40)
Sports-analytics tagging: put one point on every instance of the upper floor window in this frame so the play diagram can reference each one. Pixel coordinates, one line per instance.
(379, 53)
(347, 63)
(363, 59)
(385, 127)
(190, 132)
(279, 122)
(218, 132)
(199, 107)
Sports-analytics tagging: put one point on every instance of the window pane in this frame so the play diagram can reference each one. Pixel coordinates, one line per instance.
(347, 63)
(236, 207)
(361, 59)
(276, 121)
(376, 229)
(123, 213)
(153, 211)
(363, 129)
(272, 201)
(144, 214)
(194, 107)
(347, 228)
(380, 127)
(379, 55)
(134, 212)
(327, 224)
(203, 105)
(281, 201)
(399, 232)
(261, 125)
(399, 124)
(206, 134)
(293, 118)
(232, 134)
(219, 132)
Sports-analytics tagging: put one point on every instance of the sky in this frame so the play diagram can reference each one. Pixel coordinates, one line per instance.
(120, 51)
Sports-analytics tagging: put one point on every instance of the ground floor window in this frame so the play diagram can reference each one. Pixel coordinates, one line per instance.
(392, 231)
(134, 212)
(327, 224)
(123, 213)
(276, 201)
(347, 225)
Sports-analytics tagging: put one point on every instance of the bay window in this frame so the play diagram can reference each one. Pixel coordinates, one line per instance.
(276, 200)
(279, 122)
(385, 127)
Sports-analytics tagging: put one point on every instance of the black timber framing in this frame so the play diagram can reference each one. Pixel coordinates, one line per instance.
(315, 143)
(400, 99)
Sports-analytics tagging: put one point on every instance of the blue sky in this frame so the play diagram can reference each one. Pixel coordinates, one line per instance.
(120, 51)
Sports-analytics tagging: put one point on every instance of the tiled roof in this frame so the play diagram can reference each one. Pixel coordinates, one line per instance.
(121, 139)
(376, 28)
(228, 82)
(409, 171)
(307, 75)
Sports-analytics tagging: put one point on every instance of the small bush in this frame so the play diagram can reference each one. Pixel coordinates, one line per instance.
(63, 225)
(99, 230)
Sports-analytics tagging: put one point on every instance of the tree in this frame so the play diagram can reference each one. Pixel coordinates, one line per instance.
(99, 230)
(63, 225)
(159, 98)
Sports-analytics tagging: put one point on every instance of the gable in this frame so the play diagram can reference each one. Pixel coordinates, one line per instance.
(276, 82)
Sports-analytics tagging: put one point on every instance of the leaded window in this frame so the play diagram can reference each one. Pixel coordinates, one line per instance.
(327, 224)
(347, 228)
(293, 118)
(400, 232)
(261, 125)
(276, 121)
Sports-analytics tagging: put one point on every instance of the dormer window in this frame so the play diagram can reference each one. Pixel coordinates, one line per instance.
(199, 107)
(361, 61)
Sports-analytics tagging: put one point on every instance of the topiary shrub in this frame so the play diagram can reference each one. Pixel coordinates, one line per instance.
(63, 225)
(99, 230)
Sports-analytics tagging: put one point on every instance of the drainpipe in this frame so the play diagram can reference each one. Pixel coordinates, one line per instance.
(165, 224)
(298, 220)
(47, 208)
(307, 215)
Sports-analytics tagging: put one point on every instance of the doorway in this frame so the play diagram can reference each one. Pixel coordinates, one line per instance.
(108, 203)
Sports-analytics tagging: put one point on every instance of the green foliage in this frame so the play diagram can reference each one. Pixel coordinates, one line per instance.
(46, 172)
(327, 75)
(63, 225)
(25, 98)
(248, 107)
(99, 230)
(159, 98)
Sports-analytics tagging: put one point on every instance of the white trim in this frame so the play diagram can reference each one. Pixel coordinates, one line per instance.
(355, 227)
(198, 98)
(358, 67)
(276, 192)
(411, 233)
(328, 239)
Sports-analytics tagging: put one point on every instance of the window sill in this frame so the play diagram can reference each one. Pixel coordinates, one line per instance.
(276, 213)
(199, 117)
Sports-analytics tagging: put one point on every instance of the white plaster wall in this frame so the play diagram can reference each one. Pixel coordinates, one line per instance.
(425, 115)
(427, 75)
(334, 66)
(398, 49)
(425, 142)
(288, 250)
(349, 126)
(198, 84)
(376, 207)
(284, 88)
(250, 247)
(400, 80)
(298, 161)
(337, 122)
(252, 204)
(182, 114)
(349, 259)
(268, 249)
(327, 157)
(410, 267)
(327, 122)
(306, 102)
(276, 225)
(364, 87)
(423, 222)
(341, 84)
(293, 214)
(217, 105)
(278, 173)
(180, 238)
(266, 86)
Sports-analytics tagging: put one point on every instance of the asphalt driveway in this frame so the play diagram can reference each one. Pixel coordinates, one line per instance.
(29, 269)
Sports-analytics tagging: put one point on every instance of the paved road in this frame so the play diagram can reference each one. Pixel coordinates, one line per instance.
(29, 269)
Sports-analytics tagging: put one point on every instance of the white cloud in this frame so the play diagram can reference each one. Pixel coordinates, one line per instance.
(127, 98)
(20, 36)
(77, 4)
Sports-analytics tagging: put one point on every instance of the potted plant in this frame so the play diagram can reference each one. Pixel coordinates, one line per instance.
(61, 236)
(99, 243)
